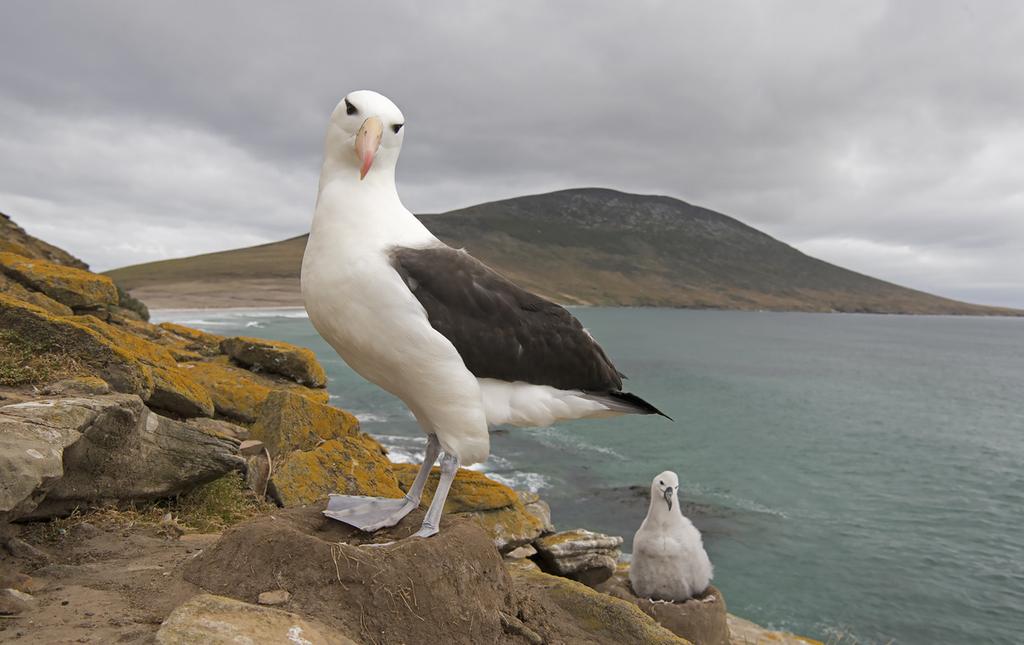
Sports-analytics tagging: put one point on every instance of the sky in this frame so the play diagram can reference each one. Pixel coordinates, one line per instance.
(886, 137)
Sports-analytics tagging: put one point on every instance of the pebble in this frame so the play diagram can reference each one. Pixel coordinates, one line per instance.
(276, 597)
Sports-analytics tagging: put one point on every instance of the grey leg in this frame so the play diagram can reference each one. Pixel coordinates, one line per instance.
(431, 523)
(372, 513)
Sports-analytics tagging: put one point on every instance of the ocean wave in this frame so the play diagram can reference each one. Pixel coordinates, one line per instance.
(532, 482)
(733, 501)
(369, 417)
(559, 438)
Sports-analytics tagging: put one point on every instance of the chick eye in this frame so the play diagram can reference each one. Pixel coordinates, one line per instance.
(349, 108)
(661, 483)
(396, 127)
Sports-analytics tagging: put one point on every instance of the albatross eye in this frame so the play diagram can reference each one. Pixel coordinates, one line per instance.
(396, 127)
(661, 483)
(349, 108)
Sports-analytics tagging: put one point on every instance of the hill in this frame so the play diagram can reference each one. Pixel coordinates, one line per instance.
(582, 246)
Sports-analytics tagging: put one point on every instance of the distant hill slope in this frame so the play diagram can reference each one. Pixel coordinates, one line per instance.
(582, 246)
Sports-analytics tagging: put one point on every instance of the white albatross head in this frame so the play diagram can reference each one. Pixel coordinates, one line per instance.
(666, 487)
(365, 134)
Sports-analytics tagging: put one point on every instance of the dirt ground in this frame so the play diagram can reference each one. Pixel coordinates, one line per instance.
(98, 584)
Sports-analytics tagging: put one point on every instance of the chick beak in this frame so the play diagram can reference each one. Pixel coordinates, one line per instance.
(668, 497)
(367, 142)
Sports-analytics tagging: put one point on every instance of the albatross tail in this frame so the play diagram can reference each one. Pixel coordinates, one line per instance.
(625, 402)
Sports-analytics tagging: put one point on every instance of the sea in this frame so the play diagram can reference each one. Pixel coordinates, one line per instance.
(857, 478)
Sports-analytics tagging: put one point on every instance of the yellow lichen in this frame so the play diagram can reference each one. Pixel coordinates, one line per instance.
(238, 393)
(288, 421)
(193, 340)
(67, 285)
(349, 466)
(471, 491)
(177, 392)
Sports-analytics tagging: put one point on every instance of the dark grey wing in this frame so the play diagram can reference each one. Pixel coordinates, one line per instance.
(500, 330)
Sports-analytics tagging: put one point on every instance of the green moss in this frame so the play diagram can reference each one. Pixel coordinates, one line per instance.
(217, 505)
(32, 362)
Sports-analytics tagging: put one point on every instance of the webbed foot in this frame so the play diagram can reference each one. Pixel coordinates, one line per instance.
(368, 513)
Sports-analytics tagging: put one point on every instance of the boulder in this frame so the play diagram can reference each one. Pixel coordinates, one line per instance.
(77, 385)
(238, 393)
(582, 614)
(14, 602)
(296, 363)
(288, 421)
(510, 527)
(584, 556)
(31, 326)
(471, 491)
(538, 508)
(352, 465)
(194, 340)
(701, 619)
(175, 391)
(216, 620)
(123, 452)
(16, 290)
(67, 285)
(219, 427)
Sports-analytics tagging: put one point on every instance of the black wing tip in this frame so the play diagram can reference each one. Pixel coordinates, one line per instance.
(641, 406)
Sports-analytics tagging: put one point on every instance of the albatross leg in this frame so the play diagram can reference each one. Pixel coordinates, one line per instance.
(372, 513)
(449, 466)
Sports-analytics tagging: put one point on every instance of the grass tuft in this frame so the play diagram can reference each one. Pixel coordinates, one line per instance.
(25, 362)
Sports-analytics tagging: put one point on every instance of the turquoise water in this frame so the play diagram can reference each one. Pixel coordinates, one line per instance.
(852, 474)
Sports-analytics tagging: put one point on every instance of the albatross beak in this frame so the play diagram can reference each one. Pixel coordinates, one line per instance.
(367, 142)
(668, 497)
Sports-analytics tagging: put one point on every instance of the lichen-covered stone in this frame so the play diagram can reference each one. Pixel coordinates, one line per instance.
(538, 508)
(509, 527)
(238, 393)
(296, 363)
(77, 385)
(197, 341)
(352, 465)
(288, 421)
(701, 619)
(600, 617)
(175, 391)
(582, 555)
(67, 285)
(41, 300)
(37, 328)
(216, 620)
(471, 491)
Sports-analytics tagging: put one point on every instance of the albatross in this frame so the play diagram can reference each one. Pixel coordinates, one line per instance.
(458, 343)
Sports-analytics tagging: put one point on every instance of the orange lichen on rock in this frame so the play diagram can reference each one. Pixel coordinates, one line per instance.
(291, 361)
(175, 391)
(68, 285)
(237, 393)
(194, 340)
(288, 421)
(352, 465)
(17, 290)
(471, 491)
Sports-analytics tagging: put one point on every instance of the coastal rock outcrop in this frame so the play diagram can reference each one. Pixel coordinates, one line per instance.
(352, 465)
(104, 449)
(73, 287)
(297, 363)
(581, 555)
(288, 421)
(237, 393)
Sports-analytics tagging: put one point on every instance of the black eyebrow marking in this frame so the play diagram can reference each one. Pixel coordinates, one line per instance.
(396, 127)
(349, 108)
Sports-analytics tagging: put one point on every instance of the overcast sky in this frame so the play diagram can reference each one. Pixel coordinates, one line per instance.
(887, 137)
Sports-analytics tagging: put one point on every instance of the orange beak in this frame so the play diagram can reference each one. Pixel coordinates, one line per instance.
(367, 142)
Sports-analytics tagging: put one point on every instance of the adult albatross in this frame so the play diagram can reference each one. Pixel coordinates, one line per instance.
(461, 345)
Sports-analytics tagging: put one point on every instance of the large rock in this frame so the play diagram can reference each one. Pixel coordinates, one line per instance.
(582, 555)
(450, 588)
(238, 393)
(510, 527)
(14, 239)
(701, 619)
(297, 363)
(123, 452)
(216, 620)
(471, 491)
(353, 465)
(17, 290)
(538, 508)
(70, 286)
(34, 327)
(288, 421)
(195, 340)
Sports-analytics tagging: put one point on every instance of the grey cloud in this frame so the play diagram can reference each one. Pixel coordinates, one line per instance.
(884, 136)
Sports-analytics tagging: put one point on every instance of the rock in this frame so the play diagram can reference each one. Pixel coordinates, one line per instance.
(742, 631)
(509, 527)
(238, 393)
(175, 391)
(526, 565)
(288, 421)
(21, 582)
(34, 327)
(13, 602)
(584, 556)
(348, 466)
(16, 290)
(24, 551)
(258, 468)
(276, 597)
(219, 428)
(14, 239)
(538, 508)
(582, 614)
(251, 447)
(471, 491)
(297, 363)
(701, 619)
(521, 553)
(194, 340)
(216, 620)
(70, 286)
(78, 385)
(124, 452)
